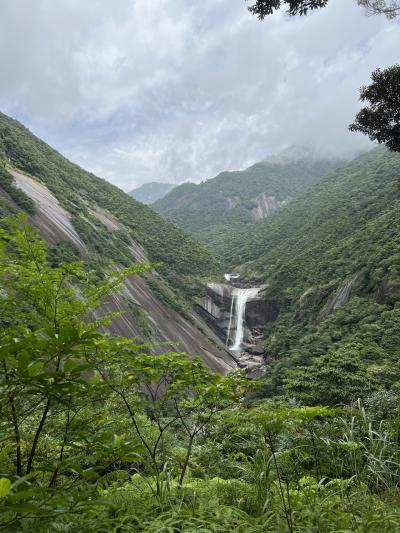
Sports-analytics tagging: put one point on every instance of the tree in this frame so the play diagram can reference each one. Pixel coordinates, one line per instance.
(63, 383)
(263, 8)
(381, 120)
(177, 393)
(338, 378)
(390, 8)
(48, 331)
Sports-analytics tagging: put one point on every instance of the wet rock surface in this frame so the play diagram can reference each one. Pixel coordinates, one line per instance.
(253, 365)
(216, 308)
(219, 309)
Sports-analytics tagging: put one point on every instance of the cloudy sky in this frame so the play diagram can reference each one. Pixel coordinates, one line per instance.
(177, 90)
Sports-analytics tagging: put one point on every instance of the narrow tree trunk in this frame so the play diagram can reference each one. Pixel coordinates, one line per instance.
(61, 456)
(37, 437)
(185, 464)
(17, 434)
(17, 437)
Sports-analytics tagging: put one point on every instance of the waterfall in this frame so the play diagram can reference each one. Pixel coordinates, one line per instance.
(239, 298)
(230, 320)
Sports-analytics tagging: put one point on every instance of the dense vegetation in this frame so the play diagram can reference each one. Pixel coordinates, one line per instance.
(19, 197)
(97, 435)
(218, 207)
(78, 191)
(331, 260)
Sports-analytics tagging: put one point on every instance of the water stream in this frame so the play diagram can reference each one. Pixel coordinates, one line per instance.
(240, 298)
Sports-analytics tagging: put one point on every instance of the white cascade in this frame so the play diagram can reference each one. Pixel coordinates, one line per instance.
(240, 297)
(228, 335)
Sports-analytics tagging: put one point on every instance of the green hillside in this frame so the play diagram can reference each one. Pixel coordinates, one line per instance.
(332, 262)
(89, 445)
(215, 208)
(77, 190)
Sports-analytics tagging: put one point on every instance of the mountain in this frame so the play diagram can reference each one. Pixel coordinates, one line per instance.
(89, 441)
(148, 193)
(81, 215)
(331, 263)
(218, 207)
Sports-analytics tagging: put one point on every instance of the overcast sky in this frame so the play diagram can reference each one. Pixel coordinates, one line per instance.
(176, 90)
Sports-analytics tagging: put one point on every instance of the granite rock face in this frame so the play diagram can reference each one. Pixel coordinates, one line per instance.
(192, 336)
(217, 308)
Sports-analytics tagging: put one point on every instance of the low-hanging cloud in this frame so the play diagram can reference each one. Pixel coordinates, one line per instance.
(174, 90)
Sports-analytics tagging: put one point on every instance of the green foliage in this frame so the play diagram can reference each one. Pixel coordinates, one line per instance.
(381, 121)
(167, 297)
(113, 245)
(215, 209)
(339, 377)
(20, 198)
(47, 335)
(62, 252)
(150, 192)
(331, 263)
(96, 434)
(57, 370)
(142, 320)
(263, 8)
(79, 192)
(389, 8)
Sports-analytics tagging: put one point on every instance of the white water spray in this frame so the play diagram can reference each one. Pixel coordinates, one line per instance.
(240, 298)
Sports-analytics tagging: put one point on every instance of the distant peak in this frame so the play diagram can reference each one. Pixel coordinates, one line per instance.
(304, 152)
(149, 193)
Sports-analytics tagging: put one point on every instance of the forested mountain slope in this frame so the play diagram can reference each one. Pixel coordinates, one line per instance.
(215, 208)
(108, 453)
(77, 189)
(81, 215)
(332, 262)
(149, 193)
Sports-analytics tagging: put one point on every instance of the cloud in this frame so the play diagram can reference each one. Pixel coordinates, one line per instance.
(174, 90)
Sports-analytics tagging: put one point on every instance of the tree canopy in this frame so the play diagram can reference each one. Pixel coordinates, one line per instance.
(263, 8)
(381, 119)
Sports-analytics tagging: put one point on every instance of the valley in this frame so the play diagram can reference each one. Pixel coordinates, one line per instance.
(233, 201)
(315, 272)
(182, 353)
(273, 338)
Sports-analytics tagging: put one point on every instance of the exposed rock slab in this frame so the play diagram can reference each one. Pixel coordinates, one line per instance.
(341, 296)
(266, 205)
(197, 339)
(53, 220)
(169, 326)
(107, 219)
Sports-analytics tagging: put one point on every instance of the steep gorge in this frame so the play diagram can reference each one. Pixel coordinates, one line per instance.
(328, 264)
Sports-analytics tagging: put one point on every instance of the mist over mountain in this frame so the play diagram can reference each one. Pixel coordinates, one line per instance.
(218, 206)
(149, 193)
